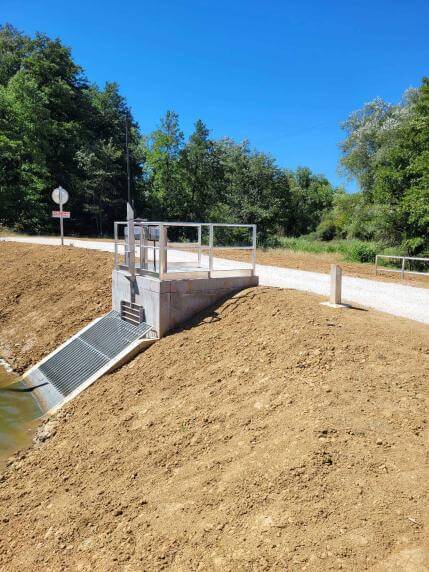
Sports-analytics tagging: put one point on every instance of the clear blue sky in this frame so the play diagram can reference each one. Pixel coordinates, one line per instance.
(282, 74)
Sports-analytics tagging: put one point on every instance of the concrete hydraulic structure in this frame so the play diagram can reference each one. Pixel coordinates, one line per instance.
(164, 273)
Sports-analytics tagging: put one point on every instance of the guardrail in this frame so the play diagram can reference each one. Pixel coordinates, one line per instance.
(146, 246)
(402, 270)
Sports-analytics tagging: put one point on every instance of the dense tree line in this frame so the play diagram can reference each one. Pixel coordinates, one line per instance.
(56, 128)
(387, 151)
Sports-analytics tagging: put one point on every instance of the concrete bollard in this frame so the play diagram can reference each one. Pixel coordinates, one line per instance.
(336, 280)
(335, 288)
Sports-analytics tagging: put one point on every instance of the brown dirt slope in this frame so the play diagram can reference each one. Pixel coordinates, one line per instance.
(47, 295)
(272, 433)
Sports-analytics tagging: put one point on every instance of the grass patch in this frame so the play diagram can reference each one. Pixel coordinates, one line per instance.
(350, 250)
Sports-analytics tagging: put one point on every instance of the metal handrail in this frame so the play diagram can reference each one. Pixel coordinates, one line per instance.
(402, 271)
(163, 246)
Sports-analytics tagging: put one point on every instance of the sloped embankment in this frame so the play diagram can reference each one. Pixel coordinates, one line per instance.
(47, 295)
(270, 433)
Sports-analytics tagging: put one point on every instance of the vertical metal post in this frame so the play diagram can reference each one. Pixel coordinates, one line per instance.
(199, 245)
(210, 249)
(376, 264)
(115, 231)
(61, 218)
(162, 250)
(131, 248)
(254, 250)
(403, 267)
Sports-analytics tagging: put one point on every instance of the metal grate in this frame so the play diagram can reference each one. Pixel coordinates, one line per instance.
(90, 351)
(132, 313)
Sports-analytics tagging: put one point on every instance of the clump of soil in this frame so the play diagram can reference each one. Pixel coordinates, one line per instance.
(270, 433)
(47, 295)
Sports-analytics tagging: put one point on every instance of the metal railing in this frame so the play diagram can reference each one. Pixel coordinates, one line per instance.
(147, 251)
(401, 270)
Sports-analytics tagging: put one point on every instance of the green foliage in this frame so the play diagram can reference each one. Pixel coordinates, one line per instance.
(57, 128)
(361, 252)
(387, 151)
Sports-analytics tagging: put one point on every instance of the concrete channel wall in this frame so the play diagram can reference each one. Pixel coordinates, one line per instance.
(168, 303)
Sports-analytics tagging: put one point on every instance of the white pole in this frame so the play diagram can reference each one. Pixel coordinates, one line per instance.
(61, 218)
(199, 245)
(254, 250)
(210, 250)
(335, 294)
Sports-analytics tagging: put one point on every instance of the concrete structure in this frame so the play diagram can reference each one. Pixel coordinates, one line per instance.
(170, 292)
(149, 298)
(168, 303)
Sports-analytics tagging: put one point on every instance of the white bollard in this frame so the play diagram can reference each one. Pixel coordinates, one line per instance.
(335, 288)
(336, 279)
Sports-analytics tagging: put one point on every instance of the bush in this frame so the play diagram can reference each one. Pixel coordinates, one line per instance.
(361, 251)
(326, 229)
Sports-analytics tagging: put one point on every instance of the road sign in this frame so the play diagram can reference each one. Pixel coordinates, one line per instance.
(60, 196)
(61, 214)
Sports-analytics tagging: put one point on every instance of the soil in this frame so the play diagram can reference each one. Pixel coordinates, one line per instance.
(270, 433)
(47, 295)
(322, 263)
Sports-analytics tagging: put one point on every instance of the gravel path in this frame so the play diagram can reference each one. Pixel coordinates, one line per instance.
(399, 300)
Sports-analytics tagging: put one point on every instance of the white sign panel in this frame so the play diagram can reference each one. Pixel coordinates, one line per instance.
(60, 196)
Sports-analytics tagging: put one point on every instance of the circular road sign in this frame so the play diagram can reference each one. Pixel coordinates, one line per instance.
(60, 196)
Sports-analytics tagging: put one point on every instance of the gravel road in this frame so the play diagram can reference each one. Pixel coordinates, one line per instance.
(396, 299)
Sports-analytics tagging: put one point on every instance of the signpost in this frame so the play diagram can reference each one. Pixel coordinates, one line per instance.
(60, 196)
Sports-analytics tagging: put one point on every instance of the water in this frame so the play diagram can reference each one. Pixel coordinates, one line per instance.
(18, 414)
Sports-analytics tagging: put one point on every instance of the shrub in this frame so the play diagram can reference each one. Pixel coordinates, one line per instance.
(359, 251)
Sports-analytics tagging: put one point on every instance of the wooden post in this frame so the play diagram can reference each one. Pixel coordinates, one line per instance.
(336, 277)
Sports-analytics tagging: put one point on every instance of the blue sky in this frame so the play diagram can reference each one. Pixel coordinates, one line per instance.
(283, 74)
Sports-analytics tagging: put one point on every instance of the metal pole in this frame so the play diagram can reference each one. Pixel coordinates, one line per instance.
(162, 251)
(254, 250)
(61, 219)
(127, 152)
(210, 249)
(199, 244)
(115, 226)
(376, 264)
(403, 268)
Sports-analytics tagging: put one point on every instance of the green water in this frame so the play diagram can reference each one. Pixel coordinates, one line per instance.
(18, 414)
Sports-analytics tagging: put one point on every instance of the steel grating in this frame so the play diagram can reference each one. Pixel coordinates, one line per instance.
(95, 347)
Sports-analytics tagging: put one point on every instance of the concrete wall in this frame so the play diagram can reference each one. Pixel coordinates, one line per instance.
(169, 303)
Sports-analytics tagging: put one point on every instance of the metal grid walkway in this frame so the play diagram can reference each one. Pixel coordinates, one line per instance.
(91, 350)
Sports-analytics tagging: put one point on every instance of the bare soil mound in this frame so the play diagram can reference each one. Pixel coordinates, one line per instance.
(48, 294)
(271, 433)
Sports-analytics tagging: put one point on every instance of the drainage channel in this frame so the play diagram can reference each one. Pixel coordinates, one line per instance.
(104, 344)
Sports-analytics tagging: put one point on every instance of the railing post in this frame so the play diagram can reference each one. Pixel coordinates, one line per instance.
(210, 250)
(403, 267)
(162, 250)
(131, 248)
(376, 264)
(199, 244)
(115, 231)
(254, 250)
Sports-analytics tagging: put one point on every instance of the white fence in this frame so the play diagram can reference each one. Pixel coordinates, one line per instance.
(403, 260)
(145, 250)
